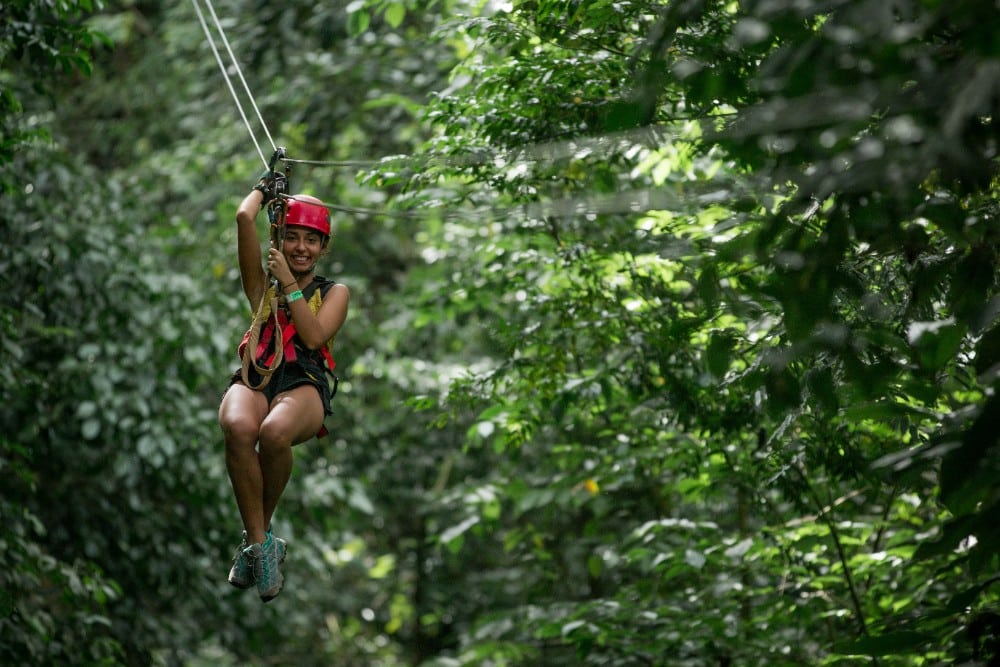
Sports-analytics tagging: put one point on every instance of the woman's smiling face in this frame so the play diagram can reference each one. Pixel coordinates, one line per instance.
(302, 247)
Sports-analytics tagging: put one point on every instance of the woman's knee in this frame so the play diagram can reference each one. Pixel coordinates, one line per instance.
(240, 415)
(275, 437)
(239, 434)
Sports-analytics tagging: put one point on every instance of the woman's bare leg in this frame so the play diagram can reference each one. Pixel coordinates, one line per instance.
(295, 416)
(241, 414)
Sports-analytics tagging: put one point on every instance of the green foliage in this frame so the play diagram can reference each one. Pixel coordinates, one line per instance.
(820, 343)
(106, 423)
(42, 44)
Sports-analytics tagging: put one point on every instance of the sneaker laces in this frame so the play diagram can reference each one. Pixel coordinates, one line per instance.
(243, 545)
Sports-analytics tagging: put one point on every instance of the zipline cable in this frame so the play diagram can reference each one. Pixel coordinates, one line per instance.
(574, 148)
(269, 299)
(334, 163)
(225, 75)
(551, 151)
(239, 71)
(649, 136)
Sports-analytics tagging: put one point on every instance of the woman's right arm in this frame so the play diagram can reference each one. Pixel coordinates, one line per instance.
(248, 248)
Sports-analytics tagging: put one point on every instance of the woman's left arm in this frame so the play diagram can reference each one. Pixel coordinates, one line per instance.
(316, 330)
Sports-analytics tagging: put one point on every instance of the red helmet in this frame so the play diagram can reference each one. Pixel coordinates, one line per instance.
(307, 211)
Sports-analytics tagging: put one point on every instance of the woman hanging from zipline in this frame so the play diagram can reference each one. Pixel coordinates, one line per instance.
(281, 395)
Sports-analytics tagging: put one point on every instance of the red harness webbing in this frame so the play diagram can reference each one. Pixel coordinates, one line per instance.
(288, 331)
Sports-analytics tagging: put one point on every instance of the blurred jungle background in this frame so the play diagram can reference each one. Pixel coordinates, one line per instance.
(673, 337)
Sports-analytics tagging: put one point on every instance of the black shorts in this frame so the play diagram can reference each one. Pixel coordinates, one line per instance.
(288, 376)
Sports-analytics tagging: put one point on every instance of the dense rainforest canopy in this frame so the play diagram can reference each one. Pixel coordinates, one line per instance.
(674, 338)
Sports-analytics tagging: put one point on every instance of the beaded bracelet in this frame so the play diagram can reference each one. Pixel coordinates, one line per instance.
(294, 296)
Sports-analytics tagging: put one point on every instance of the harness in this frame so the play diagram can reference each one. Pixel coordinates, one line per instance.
(276, 325)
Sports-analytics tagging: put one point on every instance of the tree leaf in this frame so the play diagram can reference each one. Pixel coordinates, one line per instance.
(395, 13)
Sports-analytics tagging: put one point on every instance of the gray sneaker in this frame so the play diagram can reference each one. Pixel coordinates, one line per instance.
(241, 574)
(266, 561)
